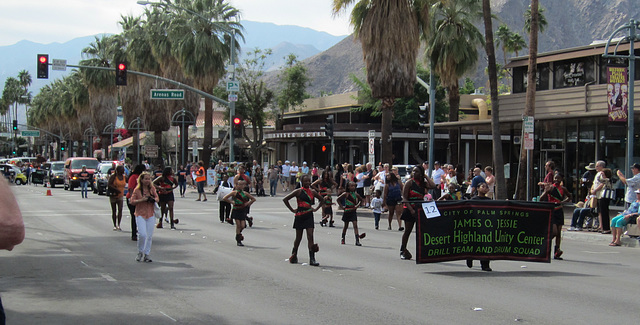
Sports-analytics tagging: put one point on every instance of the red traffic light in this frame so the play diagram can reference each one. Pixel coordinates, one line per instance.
(237, 121)
(43, 66)
(122, 66)
(324, 148)
(43, 59)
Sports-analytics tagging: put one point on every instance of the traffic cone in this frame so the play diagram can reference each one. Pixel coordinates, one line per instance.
(48, 192)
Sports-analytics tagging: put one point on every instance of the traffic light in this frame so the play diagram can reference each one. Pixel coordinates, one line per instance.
(62, 146)
(15, 125)
(324, 148)
(328, 126)
(43, 66)
(237, 126)
(424, 115)
(121, 73)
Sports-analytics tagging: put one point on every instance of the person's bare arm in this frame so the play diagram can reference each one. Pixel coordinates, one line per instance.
(11, 224)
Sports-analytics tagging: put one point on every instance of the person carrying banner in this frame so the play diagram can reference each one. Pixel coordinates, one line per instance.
(304, 218)
(558, 194)
(481, 194)
(414, 190)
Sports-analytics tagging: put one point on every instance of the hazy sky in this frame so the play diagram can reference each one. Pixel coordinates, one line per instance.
(48, 21)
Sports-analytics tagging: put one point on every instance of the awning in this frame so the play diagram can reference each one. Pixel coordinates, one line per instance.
(126, 143)
(564, 55)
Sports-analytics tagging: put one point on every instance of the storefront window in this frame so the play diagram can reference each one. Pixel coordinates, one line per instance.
(573, 73)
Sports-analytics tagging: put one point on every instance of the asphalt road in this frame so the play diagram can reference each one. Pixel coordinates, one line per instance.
(73, 269)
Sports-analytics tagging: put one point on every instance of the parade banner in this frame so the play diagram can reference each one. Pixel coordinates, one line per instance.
(485, 229)
(617, 94)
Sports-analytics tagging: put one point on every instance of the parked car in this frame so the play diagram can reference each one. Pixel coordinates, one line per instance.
(13, 174)
(54, 172)
(73, 166)
(101, 177)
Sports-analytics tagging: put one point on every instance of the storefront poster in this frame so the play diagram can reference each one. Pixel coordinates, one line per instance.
(617, 94)
(487, 229)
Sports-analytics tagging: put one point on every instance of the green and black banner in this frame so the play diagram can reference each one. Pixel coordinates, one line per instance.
(485, 229)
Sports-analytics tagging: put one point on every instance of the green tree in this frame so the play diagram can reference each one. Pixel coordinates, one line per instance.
(530, 99)
(294, 79)
(452, 47)
(528, 16)
(498, 159)
(254, 97)
(100, 84)
(389, 32)
(202, 44)
(469, 86)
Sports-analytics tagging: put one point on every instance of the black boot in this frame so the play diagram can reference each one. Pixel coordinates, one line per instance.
(239, 239)
(312, 258)
(294, 256)
(358, 241)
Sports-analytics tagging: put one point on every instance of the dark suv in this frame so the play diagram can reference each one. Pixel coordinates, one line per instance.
(54, 172)
(101, 177)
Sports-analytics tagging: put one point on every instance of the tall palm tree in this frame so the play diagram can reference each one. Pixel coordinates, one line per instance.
(389, 31)
(101, 84)
(530, 101)
(202, 45)
(453, 50)
(542, 20)
(498, 159)
(503, 38)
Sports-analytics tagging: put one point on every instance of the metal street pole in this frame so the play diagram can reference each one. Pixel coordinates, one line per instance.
(432, 115)
(232, 104)
(632, 26)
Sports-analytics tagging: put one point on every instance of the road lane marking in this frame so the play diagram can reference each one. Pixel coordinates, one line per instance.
(108, 277)
(171, 318)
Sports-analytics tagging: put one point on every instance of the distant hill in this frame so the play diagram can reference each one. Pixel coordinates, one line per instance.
(571, 23)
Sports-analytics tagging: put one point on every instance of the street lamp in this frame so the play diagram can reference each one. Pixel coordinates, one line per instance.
(88, 134)
(232, 104)
(109, 130)
(182, 118)
(633, 26)
(136, 125)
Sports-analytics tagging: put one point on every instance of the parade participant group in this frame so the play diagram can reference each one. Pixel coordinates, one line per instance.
(150, 197)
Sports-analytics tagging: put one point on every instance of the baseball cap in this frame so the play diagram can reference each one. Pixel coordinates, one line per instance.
(636, 166)
(287, 162)
(304, 162)
(637, 191)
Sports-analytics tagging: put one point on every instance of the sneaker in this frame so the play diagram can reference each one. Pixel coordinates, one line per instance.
(405, 255)
(139, 257)
(578, 229)
(389, 228)
(342, 241)
(239, 243)
(159, 225)
(401, 229)
(293, 259)
(573, 229)
(250, 220)
(173, 228)
(487, 269)
(147, 259)
(376, 227)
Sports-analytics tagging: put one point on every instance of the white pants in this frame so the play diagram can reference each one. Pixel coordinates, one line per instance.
(145, 233)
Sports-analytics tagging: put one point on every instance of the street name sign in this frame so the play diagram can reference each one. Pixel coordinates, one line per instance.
(58, 64)
(167, 94)
(30, 133)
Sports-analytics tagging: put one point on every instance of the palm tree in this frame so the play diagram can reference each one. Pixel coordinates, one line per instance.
(452, 48)
(498, 159)
(503, 38)
(542, 20)
(516, 43)
(100, 84)
(530, 101)
(389, 32)
(202, 45)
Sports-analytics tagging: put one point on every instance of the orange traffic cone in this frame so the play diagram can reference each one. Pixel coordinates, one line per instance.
(48, 192)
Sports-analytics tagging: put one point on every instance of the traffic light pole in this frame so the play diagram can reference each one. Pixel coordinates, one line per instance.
(232, 104)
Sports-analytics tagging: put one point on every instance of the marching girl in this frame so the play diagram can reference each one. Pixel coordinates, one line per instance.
(240, 200)
(414, 190)
(324, 186)
(352, 201)
(304, 218)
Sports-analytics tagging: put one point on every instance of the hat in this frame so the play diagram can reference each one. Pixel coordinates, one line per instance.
(304, 162)
(84, 166)
(592, 166)
(436, 162)
(636, 166)
(286, 161)
(636, 191)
